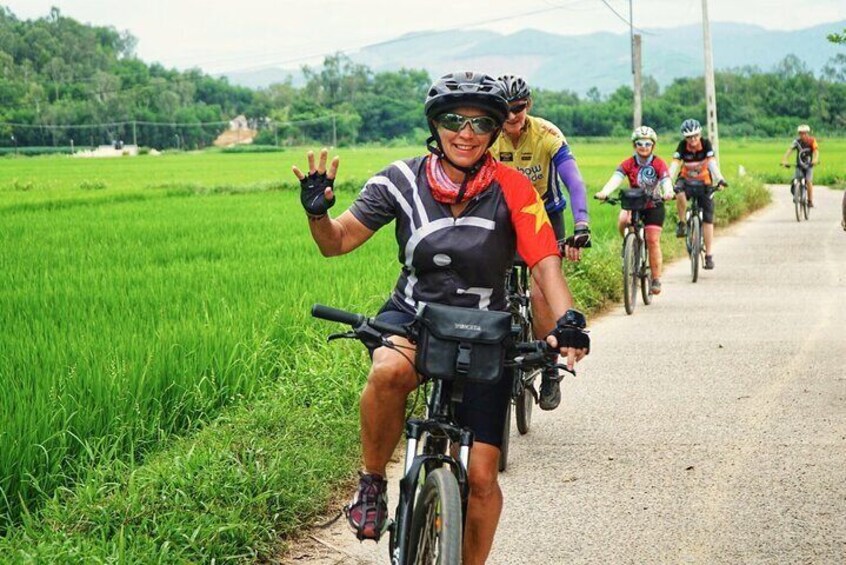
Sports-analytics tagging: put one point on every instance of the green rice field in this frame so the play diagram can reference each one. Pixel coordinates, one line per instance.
(141, 298)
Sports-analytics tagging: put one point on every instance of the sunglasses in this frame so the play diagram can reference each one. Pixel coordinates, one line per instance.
(643, 143)
(517, 108)
(457, 122)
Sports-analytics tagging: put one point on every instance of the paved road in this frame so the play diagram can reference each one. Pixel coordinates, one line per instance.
(709, 427)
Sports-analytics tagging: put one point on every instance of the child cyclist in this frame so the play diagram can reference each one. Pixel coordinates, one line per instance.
(645, 170)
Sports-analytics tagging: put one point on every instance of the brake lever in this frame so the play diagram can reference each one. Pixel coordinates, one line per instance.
(559, 366)
(342, 335)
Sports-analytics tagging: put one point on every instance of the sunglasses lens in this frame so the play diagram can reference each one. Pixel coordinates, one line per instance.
(483, 124)
(456, 122)
(643, 143)
(452, 122)
(517, 108)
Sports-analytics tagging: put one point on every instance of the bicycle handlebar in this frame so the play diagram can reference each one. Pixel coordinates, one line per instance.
(356, 320)
(530, 354)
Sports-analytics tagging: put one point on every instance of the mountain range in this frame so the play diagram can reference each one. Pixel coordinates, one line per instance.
(580, 62)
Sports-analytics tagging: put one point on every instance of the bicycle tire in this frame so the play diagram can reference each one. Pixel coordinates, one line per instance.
(630, 274)
(796, 190)
(506, 433)
(806, 207)
(695, 247)
(523, 404)
(645, 275)
(436, 524)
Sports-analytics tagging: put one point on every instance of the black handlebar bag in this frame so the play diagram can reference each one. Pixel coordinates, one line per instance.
(461, 344)
(633, 199)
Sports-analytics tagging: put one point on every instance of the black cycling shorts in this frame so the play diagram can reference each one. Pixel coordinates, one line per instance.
(705, 203)
(654, 216)
(484, 407)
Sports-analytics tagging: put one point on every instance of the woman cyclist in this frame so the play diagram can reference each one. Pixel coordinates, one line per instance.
(460, 217)
(538, 149)
(645, 170)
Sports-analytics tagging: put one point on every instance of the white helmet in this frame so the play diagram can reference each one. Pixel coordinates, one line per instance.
(804, 128)
(645, 132)
(691, 127)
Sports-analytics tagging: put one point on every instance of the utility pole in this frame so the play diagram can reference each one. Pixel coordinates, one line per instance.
(637, 112)
(710, 89)
(638, 84)
(134, 134)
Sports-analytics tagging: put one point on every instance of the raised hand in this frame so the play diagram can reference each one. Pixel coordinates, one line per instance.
(316, 192)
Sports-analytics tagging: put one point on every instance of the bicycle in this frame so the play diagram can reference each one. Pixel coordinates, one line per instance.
(799, 191)
(524, 395)
(636, 269)
(429, 519)
(695, 239)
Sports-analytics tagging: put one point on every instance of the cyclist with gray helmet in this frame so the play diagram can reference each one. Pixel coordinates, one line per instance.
(460, 217)
(807, 156)
(694, 160)
(538, 149)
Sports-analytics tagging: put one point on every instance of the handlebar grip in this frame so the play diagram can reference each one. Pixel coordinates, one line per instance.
(334, 315)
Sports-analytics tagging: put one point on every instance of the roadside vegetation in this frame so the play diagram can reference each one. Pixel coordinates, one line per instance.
(180, 402)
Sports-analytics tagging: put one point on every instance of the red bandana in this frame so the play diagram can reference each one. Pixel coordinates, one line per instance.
(445, 191)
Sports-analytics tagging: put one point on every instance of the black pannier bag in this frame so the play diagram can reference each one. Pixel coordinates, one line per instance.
(458, 344)
(633, 199)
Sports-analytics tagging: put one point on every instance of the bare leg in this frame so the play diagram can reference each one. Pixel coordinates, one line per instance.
(708, 232)
(622, 221)
(681, 204)
(382, 405)
(485, 504)
(653, 244)
(810, 186)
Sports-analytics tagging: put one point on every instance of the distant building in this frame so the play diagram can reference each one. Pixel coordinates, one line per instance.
(239, 133)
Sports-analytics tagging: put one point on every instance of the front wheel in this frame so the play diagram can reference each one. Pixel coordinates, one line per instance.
(630, 274)
(524, 403)
(796, 191)
(506, 432)
(436, 524)
(806, 207)
(695, 234)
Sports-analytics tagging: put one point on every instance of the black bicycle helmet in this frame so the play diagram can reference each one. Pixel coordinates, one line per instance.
(467, 88)
(691, 127)
(515, 88)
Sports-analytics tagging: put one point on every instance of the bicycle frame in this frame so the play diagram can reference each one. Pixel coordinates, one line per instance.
(441, 431)
(439, 426)
(694, 210)
(520, 302)
(637, 229)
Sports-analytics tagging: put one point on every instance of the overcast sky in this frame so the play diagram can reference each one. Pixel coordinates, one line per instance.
(222, 35)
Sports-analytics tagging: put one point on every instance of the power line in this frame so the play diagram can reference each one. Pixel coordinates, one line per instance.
(622, 18)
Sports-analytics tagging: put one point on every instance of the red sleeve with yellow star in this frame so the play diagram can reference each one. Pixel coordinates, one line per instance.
(535, 237)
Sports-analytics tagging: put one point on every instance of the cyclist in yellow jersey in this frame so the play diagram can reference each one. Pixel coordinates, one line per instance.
(538, 149)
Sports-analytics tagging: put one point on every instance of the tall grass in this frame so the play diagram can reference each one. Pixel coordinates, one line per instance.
(182, 285)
